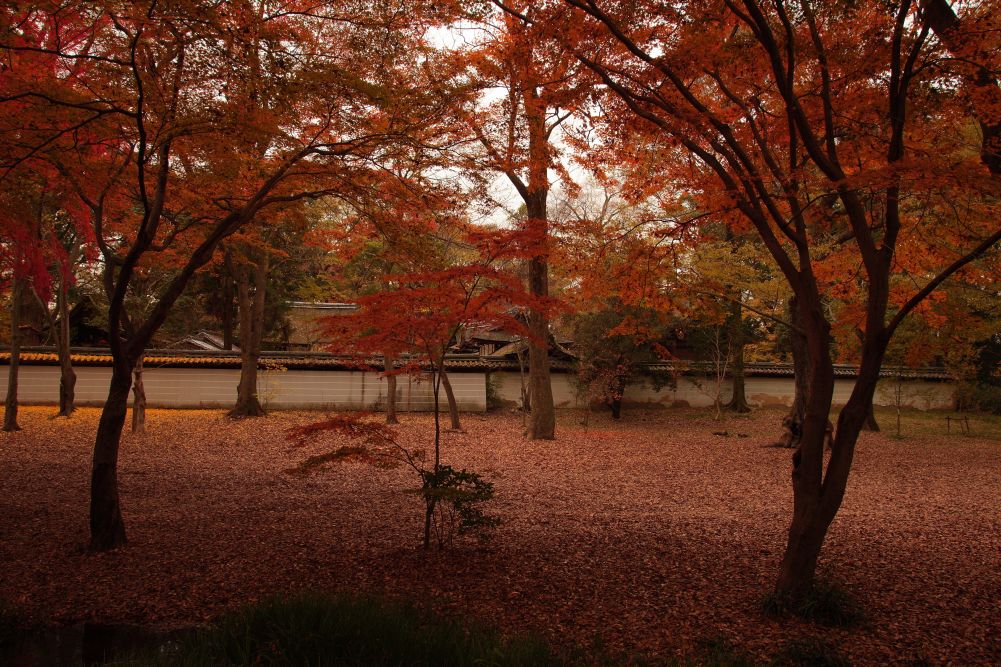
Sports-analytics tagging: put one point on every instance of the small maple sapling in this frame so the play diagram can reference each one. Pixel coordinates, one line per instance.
(452, 498)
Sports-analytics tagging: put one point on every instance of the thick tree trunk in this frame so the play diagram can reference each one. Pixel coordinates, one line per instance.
(138, 399)
(738, 401)
(251, 326)
(389, 366)
(453, 407)
(542, 419)
(67, 377)
(811, 515)
(818, 490)
(107, 530)
(10, 405)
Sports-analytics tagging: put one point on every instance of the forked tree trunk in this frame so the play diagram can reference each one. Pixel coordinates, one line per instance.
(389, 367)
(453, 407)
(107, 530)
(251, 327)
(738, 401)
(810, 520)
(10, 405)
(818, 490)
(67, 376)
(138, 399)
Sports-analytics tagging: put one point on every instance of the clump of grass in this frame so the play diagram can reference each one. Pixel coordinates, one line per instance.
(10, 626)
(344, 630)
(719, 652)
(826, 602)
(812, 653)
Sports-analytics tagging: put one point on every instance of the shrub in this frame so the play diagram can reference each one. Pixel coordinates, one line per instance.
(10, 624)
(345, 630)
(812, 653)
(826, 603)
(718, 652)
(978, 396)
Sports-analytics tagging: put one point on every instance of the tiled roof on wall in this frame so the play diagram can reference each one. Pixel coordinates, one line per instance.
(459, 363)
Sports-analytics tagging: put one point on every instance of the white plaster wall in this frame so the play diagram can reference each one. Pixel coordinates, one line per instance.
(761, 391)
(216, 388)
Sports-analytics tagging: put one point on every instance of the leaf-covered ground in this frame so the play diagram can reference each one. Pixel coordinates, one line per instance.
(651, 534)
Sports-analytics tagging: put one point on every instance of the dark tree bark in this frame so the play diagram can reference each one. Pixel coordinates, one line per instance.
(542, 418)
(389, 366)
(10, 404)
(227, 302)
(738, 341)
(107, 529)
(870, 420)
(793, 422)
(67, 376)
(59, 329)
(526, 398)
(453, 407)
(618, 389)
(138, 399)
(251, 331)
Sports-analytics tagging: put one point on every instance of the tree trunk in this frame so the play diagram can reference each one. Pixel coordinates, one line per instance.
(389, 366)
(542, 419)
(10, 405)
(793, 422)
(138, 399)
(811, 515)
(67, 377)
(818, 490)
(251, 325)
(526, 400)
(615, 400)
(453, 407)
(227, 301)
(107, 530)
(738, 402)
(870, 423)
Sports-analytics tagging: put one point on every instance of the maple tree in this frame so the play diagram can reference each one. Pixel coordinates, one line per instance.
(528, 94)
(614, 267)
(783, 108)
(158, 87)
(417, 317)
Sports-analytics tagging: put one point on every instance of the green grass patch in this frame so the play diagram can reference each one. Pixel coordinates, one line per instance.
(811, 653)
(11, 625)
(826, 603)
(932, 423)
(349, 631)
